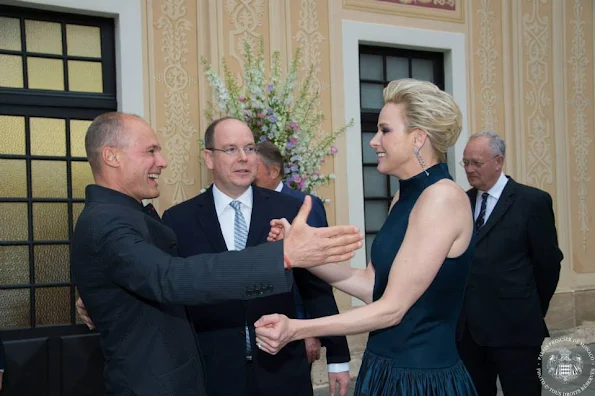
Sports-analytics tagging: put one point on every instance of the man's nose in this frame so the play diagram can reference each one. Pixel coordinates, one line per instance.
(161, 162)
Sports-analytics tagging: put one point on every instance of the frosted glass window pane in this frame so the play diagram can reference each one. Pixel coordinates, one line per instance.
(81, 177)
(14, 178)
(370, 67)
(12, 71)
(52, 263)
(83, 41)
(15, 308)
(85, 76)
(422, 69)
(397, 68)
(371, 96)
(14, 264)
(78, 130)
(50, 221)
(45, 73)
(369, 155)
(48, 179)
(43, 37)
(369, 241)
(10, 34)
(14, 220)
(375, 213)
(394, 185)
(48, 136)
(374, 183)
(77, 208)
(52, 305)
(12, 130)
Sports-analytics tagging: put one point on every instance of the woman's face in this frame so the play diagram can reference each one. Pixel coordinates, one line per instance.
(393, 143)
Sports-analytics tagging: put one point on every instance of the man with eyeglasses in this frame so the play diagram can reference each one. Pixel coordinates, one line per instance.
(231, 215)
(513, 276)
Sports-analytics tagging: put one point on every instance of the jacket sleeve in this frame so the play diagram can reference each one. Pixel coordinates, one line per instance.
(2, 358)
(543, 246)
(144, 269)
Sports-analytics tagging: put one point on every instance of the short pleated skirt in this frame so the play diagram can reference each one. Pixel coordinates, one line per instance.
(380, 376)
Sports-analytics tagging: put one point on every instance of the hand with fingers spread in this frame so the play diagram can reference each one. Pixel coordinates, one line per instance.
(306, 246)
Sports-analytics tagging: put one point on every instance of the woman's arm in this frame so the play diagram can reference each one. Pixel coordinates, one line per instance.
(440, 225)
(356, 282)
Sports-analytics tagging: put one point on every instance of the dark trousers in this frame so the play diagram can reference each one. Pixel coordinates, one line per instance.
(251, 383)
(516, 367)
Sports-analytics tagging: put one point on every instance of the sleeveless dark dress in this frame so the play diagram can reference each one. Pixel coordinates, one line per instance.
(419, 355)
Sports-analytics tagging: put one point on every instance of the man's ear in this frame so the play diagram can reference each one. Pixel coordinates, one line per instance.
(110, 156)
(207, 156)
(274, 171)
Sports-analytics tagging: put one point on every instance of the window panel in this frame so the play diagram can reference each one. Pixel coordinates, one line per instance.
(14, 264)
(371, 96)
(369, 241)
(52, 305)
(48, 179)
(12, 71)
(394, 185)
(374, 183)
(50, 221)
(368, 153)
(85, 76)
(81, 177)
(13, 217)
(422, 69)
(10, 34)
(52, 263)
(43, 37)
(78, 130)
(48, 136)
(83, 41)
(397, 68)
(45, 73)
(14, 310)
(14, 178)
(375, 213)
(370, 67)
(12, 129)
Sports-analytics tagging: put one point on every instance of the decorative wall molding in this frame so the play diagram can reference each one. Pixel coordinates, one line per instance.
(536, 41)
(441, 10)
(246, 17)
(488, 55)
(310, 38)
(178, 129)
(581, 139)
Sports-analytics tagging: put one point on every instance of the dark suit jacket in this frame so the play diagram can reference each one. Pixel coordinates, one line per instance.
(2, 358)
(222, 337)
(515, 270)
(135, 291)
(337, 349)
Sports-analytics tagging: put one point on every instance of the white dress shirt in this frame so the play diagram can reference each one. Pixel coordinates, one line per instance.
(226, 214)
(493, 197)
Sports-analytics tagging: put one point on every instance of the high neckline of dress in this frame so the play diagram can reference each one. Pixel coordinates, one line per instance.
(420, 181)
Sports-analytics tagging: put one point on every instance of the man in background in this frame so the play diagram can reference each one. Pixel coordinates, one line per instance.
(271, 170)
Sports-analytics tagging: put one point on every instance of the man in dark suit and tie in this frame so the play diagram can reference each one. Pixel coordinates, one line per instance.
(231, 215)
(270, 175)
(134, 288)
(2, 362)
(513, 277)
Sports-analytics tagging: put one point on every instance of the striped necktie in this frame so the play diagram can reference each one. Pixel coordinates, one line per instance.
(482, 211)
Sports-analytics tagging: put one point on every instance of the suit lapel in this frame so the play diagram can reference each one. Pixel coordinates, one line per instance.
(259, 222)
(502, 206)
(208, 221)
(473, 199)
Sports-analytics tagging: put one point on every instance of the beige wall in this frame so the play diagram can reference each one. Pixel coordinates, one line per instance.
(530, 77)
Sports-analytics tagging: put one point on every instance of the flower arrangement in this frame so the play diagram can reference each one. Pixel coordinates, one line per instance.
(278, 109)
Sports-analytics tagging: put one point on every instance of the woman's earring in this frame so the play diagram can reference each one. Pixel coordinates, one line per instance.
(420, 160)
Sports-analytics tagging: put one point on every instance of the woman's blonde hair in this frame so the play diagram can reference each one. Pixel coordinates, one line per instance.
(427, 108)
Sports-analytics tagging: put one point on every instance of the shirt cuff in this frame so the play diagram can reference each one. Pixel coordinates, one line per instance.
(338, 367)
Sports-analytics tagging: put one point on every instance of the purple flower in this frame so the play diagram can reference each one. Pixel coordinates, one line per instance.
(289, 145)
(271, 87)
(259, 123)
(262, 138)
(273, 118)
(293, 125)
(334, 150)
(242, 99)
(261, 115)
(293, 168)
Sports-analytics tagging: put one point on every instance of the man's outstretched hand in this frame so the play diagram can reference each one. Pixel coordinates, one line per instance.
(306, 246)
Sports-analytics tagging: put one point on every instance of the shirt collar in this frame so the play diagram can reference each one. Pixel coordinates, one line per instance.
(279, 187)
(497, 188)
(222, 201)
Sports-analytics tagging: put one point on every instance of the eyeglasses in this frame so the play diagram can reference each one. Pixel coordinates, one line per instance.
(234, 151)
(475, 164)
